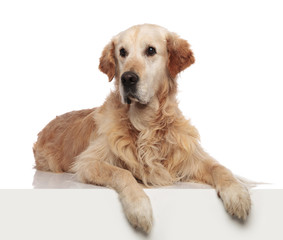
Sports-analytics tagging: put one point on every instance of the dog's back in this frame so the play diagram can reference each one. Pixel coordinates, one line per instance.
(62, 140)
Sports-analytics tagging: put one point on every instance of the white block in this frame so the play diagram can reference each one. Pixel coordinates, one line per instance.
(184, 211)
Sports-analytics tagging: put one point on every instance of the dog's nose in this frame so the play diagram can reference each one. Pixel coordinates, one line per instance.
(129, 79)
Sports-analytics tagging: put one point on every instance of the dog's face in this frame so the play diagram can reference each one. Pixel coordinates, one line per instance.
(142, 59)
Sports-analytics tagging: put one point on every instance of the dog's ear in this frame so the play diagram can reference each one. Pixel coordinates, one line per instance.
(180, 56)
(107, 63)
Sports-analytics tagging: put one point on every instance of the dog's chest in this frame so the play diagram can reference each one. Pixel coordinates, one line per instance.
(152, 147)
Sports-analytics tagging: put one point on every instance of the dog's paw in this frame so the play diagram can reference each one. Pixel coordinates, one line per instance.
(137, 208)
(236, 200)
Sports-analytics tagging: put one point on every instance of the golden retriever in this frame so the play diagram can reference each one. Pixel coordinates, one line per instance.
(138, 134)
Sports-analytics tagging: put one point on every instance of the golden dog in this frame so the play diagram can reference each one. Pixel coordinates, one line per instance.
(138, 134)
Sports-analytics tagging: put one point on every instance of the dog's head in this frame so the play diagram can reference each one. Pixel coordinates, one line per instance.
(142, 59)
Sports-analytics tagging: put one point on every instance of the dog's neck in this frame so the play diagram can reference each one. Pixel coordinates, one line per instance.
(144, 116)
(141, 115)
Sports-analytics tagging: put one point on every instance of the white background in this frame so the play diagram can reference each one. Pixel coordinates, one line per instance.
(49, 52)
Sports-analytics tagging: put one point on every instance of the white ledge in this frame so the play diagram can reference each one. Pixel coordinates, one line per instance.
(183, 211)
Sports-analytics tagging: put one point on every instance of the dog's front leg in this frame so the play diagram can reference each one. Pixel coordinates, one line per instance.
(135, 202)
(234, 194)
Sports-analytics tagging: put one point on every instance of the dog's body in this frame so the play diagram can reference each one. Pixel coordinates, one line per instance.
(138, 133)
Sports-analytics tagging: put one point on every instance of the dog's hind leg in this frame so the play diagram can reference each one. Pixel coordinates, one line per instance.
(135, 202)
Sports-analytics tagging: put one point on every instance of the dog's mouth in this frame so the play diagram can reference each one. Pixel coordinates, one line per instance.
(130, 97)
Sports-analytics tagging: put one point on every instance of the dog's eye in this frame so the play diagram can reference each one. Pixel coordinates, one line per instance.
(150, 51)
(123, 52)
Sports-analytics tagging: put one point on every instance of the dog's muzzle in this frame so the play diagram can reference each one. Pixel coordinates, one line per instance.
(129, 81)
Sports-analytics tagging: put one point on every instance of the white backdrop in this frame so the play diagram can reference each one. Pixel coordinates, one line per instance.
(49, 53)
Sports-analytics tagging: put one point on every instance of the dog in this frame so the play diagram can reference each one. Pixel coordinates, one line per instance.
(139, 135)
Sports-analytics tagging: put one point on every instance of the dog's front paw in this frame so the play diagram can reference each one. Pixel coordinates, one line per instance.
(137, 208)
(236, 200)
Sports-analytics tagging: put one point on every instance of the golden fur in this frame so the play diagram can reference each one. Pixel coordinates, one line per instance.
(148, 141)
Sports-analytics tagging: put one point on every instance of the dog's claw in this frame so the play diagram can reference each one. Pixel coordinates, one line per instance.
(138, 210)
(236, 200)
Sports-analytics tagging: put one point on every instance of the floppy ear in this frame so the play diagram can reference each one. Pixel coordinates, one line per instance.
(180, 56)
(107, 61)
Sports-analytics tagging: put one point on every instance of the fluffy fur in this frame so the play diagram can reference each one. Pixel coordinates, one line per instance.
(148, 141)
